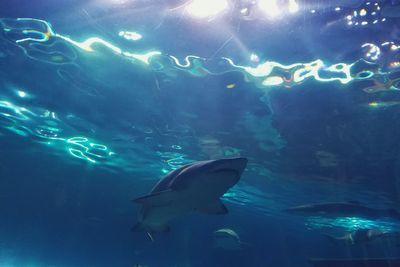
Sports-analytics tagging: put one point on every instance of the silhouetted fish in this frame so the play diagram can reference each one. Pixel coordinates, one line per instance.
(227, 239)
(194, 187)
(363, 236)
(343, 209)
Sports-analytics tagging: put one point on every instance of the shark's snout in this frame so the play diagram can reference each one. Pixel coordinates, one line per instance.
(234, 165)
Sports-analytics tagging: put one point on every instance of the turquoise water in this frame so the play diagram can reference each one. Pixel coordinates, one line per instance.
(101, 99)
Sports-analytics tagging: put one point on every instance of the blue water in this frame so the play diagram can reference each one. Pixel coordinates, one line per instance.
(90, 119)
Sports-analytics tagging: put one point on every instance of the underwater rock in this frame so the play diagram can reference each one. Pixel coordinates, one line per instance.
(214, 150)
(269, 139)
(211, 146)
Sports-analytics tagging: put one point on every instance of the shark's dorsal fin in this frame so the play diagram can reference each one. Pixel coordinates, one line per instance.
(216, 207)
(157, 199)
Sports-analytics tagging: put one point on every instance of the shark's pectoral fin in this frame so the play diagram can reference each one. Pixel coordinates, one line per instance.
(140, 227)
(216, 207)
(157, 199)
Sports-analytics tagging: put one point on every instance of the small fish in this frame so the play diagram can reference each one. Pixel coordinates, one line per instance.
(383, 104)
(231, 86)
(363, 236)
(385, 85)
(227, 239)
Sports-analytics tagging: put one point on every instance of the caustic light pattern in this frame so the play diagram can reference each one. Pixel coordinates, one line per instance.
(44, 127)
(40, 42)
(29, 33)
(350, 223)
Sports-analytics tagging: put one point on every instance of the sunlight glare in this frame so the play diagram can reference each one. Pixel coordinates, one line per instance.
(270, 7)
(21, 93)
(293, 6)
(206, 8)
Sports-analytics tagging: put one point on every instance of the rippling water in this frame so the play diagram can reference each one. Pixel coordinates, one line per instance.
(100, 99)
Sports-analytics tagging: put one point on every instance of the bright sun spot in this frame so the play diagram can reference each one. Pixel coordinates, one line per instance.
(206, 8)
(21, 93)
(130, 35)
(293, 6)
(270, 7)
(254, 58)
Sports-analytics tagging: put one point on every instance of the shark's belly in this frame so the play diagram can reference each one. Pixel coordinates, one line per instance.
(202, 193)
(197, 195)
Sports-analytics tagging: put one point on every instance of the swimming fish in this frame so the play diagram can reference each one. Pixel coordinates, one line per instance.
(194, 187)
(344, 209)
(385, 85)
(383, 104)
(227, 239)
(363, 236)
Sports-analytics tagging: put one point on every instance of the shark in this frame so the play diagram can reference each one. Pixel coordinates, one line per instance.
(195, 187)
(344, 209)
